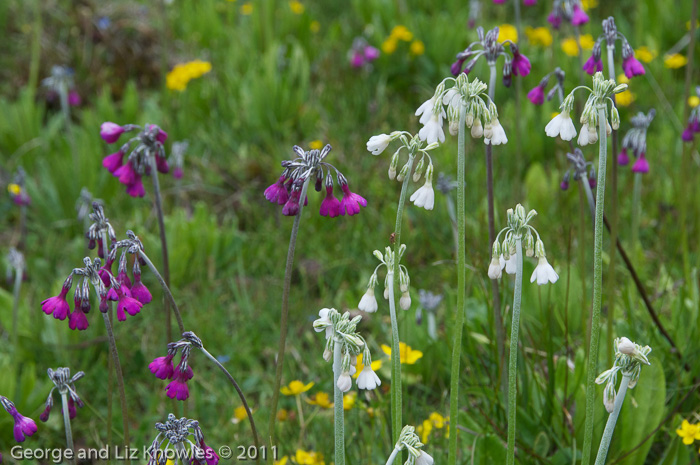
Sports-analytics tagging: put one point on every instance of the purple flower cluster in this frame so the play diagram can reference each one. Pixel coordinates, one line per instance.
(525, 2)
(24, 426)
(147, 144)
(17, 189)
(174, 434)
(635, 141)
(306, 166)
(693, 126)
(162, 367)
(63, 382)
(567, 10)
(579, 170)
(630, 65)
(361, 53)
(537, 95)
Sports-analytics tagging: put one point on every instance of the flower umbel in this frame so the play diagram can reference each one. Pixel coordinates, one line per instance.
(629, 358)
(368, 303)
(63, 381)
(183, 439)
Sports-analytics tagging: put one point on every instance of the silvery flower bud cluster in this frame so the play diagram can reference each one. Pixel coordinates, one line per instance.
(65, 384)
(180, 441)
(635, 141)
(579, 169)
(368, 303)
(409, 441)
(629, 358)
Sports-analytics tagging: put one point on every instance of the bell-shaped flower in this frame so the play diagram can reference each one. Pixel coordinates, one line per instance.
(544, 273)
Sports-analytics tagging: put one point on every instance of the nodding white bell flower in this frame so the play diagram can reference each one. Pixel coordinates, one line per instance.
(544, 273)
(405, 301)
(344, 381)
(510, 264)
(425, 111)
(377, 144)
(432, 131)
(477, 129)
(626, 346)
(583, 136)
(498, 134)
(424, 196)
(324, 322)
(562, 126)
(386, 293)
(368, 379)
(495, 268)
(353, 370)
(593, 134)
(327, 355)
(368, 303)
(424, 459)
(609, 397)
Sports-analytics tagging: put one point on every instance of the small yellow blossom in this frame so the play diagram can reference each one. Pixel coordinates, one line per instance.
(183, 73)
(282, 461)
(376, 365)
(437, 420)
(507, 32)
(349, 400)
(622, 79)
(389, 45)
(417, 47)
(295, 388)
(296, 6)
(371, 412)
(239, 414)
(645, 54)
(247, 9)
(693, 101)
(322, 399)
(675, 61)
(308, 458)
(687, 24)
(14, 189)
(625, 99)
(587, 42)
(401, 32)
(406, 353)
(282, 415)
(539, 36)
(316, 144)
(589, 4)
(424, 430)
(570, 46)
(315, 26)
(688, 432)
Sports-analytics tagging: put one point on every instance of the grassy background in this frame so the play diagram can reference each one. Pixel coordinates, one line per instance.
(275, 83)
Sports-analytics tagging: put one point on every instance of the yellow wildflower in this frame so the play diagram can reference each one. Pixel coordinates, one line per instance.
(645, 54)
(183, 73)
(587, 42)
(675, 61)
(417, 47)
(295, 388)
(687, 24)
(507, 32)
(282, 461)
(622, 79)
(589, 4)
(424, 430)
(376, 365)
(624, 99)
(322, 399)
(406, 353)
(239, 414)
(282, 415)
(316, 144)
(14, 189)
(296, 6)
(437, 420)
(315, 26)
(389, 45)
(539, 36)
(688, 432)
(371, 412)
(693, 101)
(570, 46)
(247, 9)
(349, 400)
(308, 458)
(401, 32)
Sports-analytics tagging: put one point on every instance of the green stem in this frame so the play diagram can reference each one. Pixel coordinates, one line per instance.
(513, 360)
(166, 289)
(597, 289)
(240, 394)
(461, 288)
(339, 411)
(636, 208)
(393, 455)
(66, 422)
(612, 420)
(582, 260)
(15, 308)
(285, 314)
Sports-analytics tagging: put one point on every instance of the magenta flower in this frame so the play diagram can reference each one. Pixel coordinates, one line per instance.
(521, 65)
(529, 2)
(632, 67)
(351, 202)
(564, 185)
(641, 165)
(554, 19)
(277, 193)
(592, 181)
(357, 59)
(536, 95)
(499, 2)
(687, 135)
(58, 305)
(136, 188)
(111, 132)
(127, 304)
(593, 65)
(162, 135)
(371, 53)
(330, 206)
(74, 99)
(78, 320)
(45, 414)
(177, 172)
(72, 411)
(456, 67)
(291, 208)
(162, 165)
(162, 367)
(210, 454)
(579, 16)
(622, 158)
(24, 426)
(139, 291)
(123, 279)
(177, 389)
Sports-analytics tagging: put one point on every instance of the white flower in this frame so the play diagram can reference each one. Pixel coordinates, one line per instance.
(495, 268)
(454, 128)
(405, 301)
(425, 196)
(424, 459)
(327, 355)
(583, 136)
(626, 346)
(344, 382)
(609, 397)
(353, 370)
(368, 379)
(368, 303)
(498, 134)
(592, 134)
(452, 98)
(544, 273)
(386, 293)
(432, 131)
(562, 126)
(608, 129)
(477, 129)
(377, 144)
(509, 264)
(324, 322)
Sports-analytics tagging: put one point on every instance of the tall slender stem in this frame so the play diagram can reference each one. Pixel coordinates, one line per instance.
(339, 411)
(582, 260)
(592, 367)
(163, 243)
(120, 380)
(285, 313)
(240, 394)
(636, 208)
(393, 455)
(166, 289)
(461, 286)
(15, 308)
(610, 290)
(518, 94)
(513, 360)
(612, 420)
(66, 422)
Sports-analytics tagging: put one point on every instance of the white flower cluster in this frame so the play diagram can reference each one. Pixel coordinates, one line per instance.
(629, 358)
(409, 440)
(414, 145)
(563, 126)
(368, 303)
(504, 254)
(340, 329)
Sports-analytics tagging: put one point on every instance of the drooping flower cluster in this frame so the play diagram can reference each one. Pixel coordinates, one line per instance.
(100, 227)
(567, 10)
(629, 358)
(693, 126)
(630, 65)
(180, 441)
(362, 54)
(504, 254)
(368, 303)
(562, 125)
(310, 166)
(177, 157)
(515, 63)
(537, 95)
(636, 141)
(63, 381)
(340, 329)
(145, 152)
(17, 188)
(409, 440)
(162, 367)
(579, 169)
(61, 84)
(428, 302)
(424, 196)
(23, 426)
